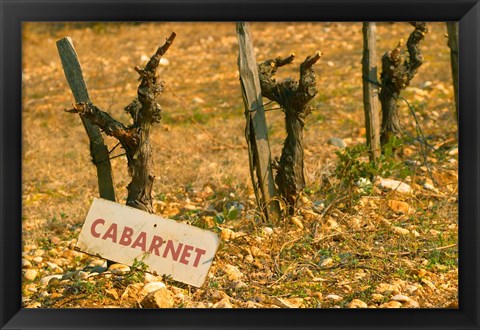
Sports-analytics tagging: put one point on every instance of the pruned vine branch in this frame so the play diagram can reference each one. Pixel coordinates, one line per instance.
(127, 136)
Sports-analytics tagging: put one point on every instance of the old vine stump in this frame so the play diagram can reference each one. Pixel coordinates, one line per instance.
(397, 72)
(293, 97)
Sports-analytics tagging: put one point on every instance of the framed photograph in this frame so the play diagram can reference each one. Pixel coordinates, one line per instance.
(240, 164)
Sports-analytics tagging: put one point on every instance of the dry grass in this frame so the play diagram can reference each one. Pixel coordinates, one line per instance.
(200, 142)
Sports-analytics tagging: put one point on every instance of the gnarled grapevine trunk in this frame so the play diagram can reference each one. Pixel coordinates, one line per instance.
(397, 72)
(290, 177)
(135, 138)
(390, 121)
(293, 96)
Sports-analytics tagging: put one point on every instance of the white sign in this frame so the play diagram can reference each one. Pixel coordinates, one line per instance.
(121, 233)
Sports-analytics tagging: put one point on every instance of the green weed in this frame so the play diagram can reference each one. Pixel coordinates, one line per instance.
(356, 173)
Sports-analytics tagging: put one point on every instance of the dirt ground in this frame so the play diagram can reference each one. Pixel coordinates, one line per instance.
(347, 246)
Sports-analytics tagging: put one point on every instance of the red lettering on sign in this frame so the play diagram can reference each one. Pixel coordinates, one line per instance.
(170, 248)
(94, 225)
(141, 241)
(126, 238)
(186, 254)
(179, 252)
(157, 242)
(200, 253)
(111, 233)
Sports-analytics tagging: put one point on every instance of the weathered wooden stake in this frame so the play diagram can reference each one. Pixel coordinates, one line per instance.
(370, 90)
(256, 127)
(452, 30)
(98, 149)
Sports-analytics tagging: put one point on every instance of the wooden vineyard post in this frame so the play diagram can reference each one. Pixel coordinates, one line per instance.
(256, 127)
(370, 90)
(98, 149)
(452, 30)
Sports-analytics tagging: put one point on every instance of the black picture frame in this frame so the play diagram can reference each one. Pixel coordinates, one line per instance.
(14, 12)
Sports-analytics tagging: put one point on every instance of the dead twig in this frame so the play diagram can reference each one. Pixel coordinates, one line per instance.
(424, 250)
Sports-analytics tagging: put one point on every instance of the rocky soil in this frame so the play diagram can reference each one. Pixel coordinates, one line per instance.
(388, 241)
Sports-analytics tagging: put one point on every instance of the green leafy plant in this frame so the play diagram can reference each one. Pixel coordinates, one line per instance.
(354, 169)
(80, 286)
(140, 264)
(137, 271)
(228, 214)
